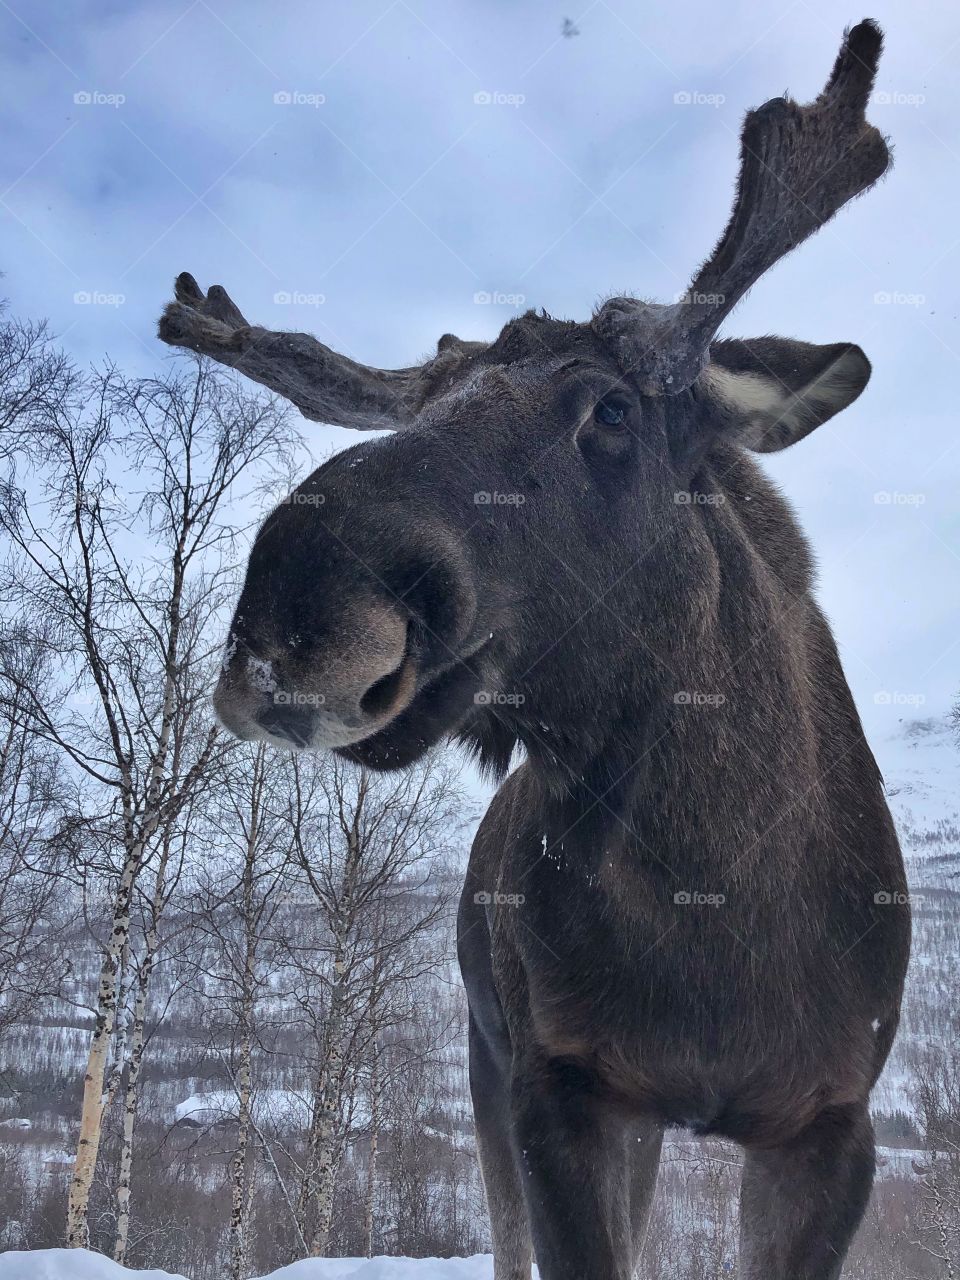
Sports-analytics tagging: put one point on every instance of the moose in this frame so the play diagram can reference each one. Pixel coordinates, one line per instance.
(686, 906)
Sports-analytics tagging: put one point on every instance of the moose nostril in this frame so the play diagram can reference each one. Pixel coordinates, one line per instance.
(384, 694)
(380, 696)
(435, 585)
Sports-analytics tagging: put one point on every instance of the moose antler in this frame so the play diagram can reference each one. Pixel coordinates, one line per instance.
(324, 385)
(798, 167)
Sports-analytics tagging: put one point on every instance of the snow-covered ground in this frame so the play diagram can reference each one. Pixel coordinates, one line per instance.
(79, 1264)
(219, 1105)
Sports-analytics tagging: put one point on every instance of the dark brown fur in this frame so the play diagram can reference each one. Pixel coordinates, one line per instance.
(687, 906)
(599, 1002)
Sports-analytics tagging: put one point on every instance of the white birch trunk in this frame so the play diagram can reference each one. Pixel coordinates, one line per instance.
(131, 1094)
(94, 1079)
(94, 1095)
(321, 1169)
(130, 1103)
(370, 1188)
(241, 1182)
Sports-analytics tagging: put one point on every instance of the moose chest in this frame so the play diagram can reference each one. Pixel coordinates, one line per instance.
(645, 975)
(604, 932)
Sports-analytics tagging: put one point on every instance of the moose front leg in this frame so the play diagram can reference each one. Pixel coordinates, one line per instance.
(490, 1089)
(801, 1203)
(576, 1175)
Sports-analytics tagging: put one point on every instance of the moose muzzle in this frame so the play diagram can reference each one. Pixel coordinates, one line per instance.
(310, 695)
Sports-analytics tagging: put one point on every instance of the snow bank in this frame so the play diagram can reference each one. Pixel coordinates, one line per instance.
(901, 1162)
(480, 1267)
(69, 1264)
(79, 1264)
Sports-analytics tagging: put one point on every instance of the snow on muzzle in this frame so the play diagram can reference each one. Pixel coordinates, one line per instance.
(295, 691)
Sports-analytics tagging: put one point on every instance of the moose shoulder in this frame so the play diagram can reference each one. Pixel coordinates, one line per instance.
(687, 906)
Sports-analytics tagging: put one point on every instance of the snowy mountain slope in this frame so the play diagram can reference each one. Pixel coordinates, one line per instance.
(921, 768)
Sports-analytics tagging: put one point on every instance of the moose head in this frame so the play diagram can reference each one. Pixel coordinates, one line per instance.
(548, 531)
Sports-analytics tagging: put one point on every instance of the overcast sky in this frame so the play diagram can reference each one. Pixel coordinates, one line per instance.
(387, 162)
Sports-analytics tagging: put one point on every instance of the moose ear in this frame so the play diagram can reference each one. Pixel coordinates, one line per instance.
(771, 392)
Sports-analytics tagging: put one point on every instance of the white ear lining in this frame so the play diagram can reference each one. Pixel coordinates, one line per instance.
(770, 415)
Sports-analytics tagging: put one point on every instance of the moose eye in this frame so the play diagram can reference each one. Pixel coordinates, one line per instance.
(608, 414)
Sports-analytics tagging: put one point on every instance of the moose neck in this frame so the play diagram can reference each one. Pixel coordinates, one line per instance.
(721, 662)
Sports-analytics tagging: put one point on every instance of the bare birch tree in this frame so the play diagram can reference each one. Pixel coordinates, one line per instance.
(366, 846)
(241, 914)
(37, 379)
(32, 799)
(162, 883)
(121, 542)
(938, 1103)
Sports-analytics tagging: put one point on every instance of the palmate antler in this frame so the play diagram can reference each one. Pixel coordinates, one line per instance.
(323, 384)
(798, 167)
